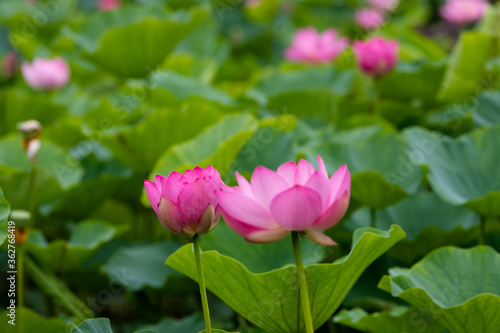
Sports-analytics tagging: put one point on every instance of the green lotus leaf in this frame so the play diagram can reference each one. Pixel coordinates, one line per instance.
(97, 325)
(462, 171)
(270, 300)
(397, 320)
(486, 109)
(132, 42)
(192, 323)
(465, 297)
(464, 67)
(380, 176)
(256, 257)
(140, 265)
(85, 239)
(428, 221)
(32, 322)
(4, 214)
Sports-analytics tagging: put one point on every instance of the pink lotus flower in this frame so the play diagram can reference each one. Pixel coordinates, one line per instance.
(387, 5)
(310, 46)
(186, 203)
(464, 11)
(46, 74)
(105, 5)
(294, 198)
(376, 56)
(369, 18)
(252, 3)
(9, 65)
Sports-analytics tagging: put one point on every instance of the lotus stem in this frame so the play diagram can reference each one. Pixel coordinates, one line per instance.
(304, 294)
(201, 282)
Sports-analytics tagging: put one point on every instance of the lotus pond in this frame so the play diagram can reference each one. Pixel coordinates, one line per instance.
(279, 166)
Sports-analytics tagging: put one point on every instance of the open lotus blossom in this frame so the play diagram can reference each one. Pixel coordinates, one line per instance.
(387, 5)
(186, 203)
(369, 18)
(46, 74)
(376, 56)
(104, 5)
(296, 197)
(464, 11)
(310, 46)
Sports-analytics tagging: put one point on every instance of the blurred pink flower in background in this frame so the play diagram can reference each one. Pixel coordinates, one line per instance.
(296, 197)
(104, 5)
(387, 5)
(312, 47)
(186, 203)
(464, 11)
(46, 74)
(369, 18)
(31, 131)
(253, 3)
(9, 65)
(377, 56)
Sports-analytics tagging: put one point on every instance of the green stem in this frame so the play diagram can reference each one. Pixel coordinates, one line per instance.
(301, 273)
(32, 195)
(482, 231)
(373, 217)
(201, 282)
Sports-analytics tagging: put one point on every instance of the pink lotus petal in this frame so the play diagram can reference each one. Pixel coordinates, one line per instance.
(174, 175)
(238, 226)
(153, 194)
(244, 185)
(321, 185)
(194, 199)
(266, 236)
(319, 238)
(172, 218)
(287, 172)
(245, 209)
(266, 184)
(369, 18)
(171, 189)
(303, 172)
(296, 208)
(321, 166)
(340, 182)
(333, 214)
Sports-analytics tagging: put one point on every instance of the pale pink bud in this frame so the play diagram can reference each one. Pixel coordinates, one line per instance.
(186, 203)
(31, 131)
(312, 47)
(376, 56)
(46, 74)
(105, 5)
(464, 11)
(369, 18)
(33, 148)
(296, 197)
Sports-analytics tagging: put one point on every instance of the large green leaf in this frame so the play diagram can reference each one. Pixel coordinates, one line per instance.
(85, 239)
(4, 214)
(464, 66)
(255, 257)
(459, 287)
(270, 300)
(217, 145)
(140, 145)
(380, 176)
(429, 223)
(168, 87)
(397, 320)
(486, 109)
(131, 42)
(463, 171)
(194, 323)
(140, 265)
(97, 325)
(31, 322)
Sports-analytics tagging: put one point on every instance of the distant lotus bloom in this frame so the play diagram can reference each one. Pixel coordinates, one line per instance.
(31, 131)
(464, 11)
(186, 203)
(9, 65)
(310, 46)
(369, 18)
(376, 56)
(296, 197)
(105, 5)
(46, 74)
(252, 3)
(387, 5)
